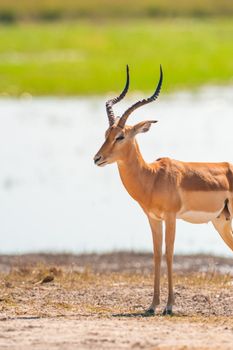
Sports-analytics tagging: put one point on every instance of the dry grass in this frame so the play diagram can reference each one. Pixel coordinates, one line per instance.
(57, 9)
(54, 291)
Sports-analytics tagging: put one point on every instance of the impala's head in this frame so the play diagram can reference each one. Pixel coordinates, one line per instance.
(119, 135)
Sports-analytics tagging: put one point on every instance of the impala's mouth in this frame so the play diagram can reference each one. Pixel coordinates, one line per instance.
(102, 163)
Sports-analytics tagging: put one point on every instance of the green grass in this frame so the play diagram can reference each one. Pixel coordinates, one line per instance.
(89, 57)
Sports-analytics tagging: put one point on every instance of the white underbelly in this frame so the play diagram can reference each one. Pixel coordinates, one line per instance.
(197, 217)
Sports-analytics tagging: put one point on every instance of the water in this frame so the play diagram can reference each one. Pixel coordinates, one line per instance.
(53, 198)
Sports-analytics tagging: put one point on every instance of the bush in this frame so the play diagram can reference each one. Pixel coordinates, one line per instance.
(7, 16)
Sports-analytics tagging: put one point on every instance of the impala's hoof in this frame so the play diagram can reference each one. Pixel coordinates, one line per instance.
(167, 312)
(150, 312)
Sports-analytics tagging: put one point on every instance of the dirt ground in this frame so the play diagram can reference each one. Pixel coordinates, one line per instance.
(98, 302)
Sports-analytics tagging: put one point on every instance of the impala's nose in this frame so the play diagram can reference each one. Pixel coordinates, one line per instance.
(97, 158)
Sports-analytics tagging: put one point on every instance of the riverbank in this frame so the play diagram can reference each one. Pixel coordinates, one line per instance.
(97, 302)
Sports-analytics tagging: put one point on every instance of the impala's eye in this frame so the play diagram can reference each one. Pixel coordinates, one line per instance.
(119, 138)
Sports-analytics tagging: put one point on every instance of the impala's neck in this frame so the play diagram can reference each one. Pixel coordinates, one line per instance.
(135, 173)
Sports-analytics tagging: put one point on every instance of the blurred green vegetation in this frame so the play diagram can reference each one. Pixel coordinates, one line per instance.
(67, 58)
(12, 10)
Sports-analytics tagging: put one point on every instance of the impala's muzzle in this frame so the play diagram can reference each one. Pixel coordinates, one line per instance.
(99, 160)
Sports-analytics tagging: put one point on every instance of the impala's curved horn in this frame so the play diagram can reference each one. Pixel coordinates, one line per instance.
(110, 103)
(126, 114)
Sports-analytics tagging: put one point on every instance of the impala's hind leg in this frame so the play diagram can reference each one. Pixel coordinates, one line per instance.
(230, 206)
(170, 223)
(223, 225)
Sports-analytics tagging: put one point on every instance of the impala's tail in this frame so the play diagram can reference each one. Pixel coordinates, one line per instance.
(223, 226)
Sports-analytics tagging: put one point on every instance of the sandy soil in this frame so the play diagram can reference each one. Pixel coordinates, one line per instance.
(98, 302)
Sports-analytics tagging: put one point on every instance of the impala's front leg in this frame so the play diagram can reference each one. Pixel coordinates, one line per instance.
(170, 223)
(157, 233)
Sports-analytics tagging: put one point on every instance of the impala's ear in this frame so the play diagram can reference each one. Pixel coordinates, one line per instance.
(142, 127)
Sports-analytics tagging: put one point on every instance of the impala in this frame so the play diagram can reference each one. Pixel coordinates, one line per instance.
(167, 189)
